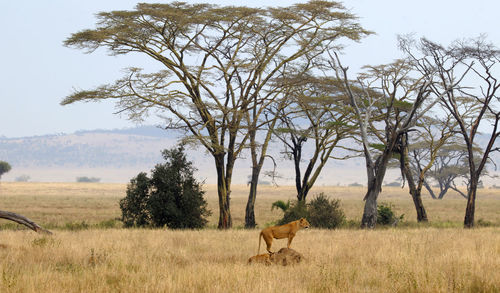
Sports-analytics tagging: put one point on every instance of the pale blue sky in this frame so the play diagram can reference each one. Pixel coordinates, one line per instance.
(37, 72)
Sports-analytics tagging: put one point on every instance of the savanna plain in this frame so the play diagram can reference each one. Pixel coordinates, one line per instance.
(89, 251)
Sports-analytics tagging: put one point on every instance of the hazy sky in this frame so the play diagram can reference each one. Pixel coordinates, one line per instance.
(37, 71)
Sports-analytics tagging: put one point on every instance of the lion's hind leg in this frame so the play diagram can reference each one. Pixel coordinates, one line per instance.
(269, 241)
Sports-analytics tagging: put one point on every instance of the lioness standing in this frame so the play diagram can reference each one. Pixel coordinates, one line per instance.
(284, 231)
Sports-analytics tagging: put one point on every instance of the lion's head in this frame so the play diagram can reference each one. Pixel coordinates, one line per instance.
(303, 223)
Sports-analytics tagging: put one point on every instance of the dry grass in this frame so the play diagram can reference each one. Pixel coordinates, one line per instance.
(59, 204)
(119, 260)
(423, 259)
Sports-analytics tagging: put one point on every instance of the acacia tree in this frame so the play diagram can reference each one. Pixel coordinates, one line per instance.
(387, 102)
(420, 153)
(477, 94)
(450, 165)
(259, 119)
(217, 62)
(316, 113)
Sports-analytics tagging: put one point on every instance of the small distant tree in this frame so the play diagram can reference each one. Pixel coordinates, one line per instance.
(86, 179)
(23, 178)
(451, 164)
(171, 197)
(4, 168)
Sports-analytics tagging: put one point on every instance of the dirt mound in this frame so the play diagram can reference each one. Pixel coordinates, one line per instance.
(284, 257)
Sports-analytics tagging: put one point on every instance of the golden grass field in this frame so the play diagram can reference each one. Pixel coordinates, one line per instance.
(90, 252)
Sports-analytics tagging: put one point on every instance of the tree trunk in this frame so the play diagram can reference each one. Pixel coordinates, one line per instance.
(416, 194)
(369, 219)
(415, 191)
(297, 154)
(443, 191)
(225, 221)
(376, 174)
(302, 193)
(250, 209)
(23, 221)
(471, 202)
(429, 189)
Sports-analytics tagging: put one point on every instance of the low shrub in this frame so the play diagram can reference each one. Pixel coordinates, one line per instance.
(297, 210)
(386, 215)
(325, 213)
(321, 212)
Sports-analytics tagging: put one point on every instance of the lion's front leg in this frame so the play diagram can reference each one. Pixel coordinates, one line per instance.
(290, 238)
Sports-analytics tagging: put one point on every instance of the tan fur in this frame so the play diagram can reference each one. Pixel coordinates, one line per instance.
(261, 258)
(284, 231)
(284, 257)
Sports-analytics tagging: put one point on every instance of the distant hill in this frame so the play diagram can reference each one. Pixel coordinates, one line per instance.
(118, 155)
(114, 155)
(99, 148)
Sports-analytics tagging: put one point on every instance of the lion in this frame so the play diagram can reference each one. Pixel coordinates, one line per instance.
(284, 231)
(284, 257)
(261, 258)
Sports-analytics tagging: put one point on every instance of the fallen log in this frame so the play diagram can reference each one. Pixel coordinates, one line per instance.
(23, 221)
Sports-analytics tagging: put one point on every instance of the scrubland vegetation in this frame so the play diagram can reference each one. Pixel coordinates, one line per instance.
(91, 252)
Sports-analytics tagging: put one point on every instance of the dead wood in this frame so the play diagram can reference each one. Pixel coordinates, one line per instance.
(23, 221)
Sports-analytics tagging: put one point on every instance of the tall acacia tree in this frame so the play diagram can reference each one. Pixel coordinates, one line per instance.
(474, 103)
(217, 63)
(419, 155)
(317, 114)
(387, 101)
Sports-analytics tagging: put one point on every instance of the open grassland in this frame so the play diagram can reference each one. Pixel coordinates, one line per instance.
(140, 260)
(90, 252)
(66, 205)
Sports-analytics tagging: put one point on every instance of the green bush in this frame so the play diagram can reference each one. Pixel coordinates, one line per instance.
(386, 216)
(297, 210)
(171, 197)
(135, 205)
(325, 213)
(320, 212)
(279, 204)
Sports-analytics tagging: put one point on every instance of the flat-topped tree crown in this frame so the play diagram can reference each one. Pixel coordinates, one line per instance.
(219, 63)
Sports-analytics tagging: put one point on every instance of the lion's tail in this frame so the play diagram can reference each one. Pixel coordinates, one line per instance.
(260, 238)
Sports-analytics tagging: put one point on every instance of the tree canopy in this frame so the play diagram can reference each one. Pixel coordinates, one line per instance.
(219, 63)
(4, 168)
